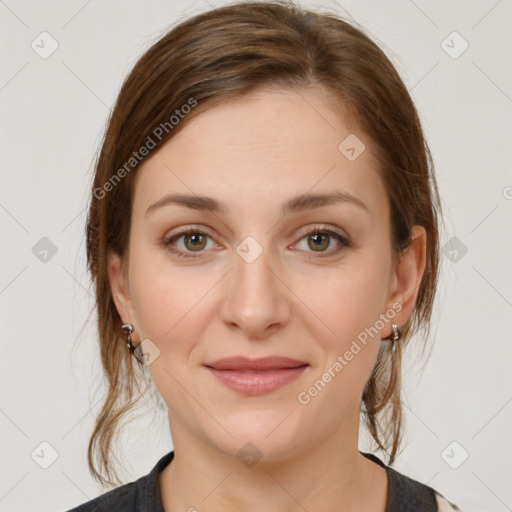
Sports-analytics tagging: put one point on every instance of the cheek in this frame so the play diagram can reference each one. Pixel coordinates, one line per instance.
(348, 359)
(176, 308)
(347, 301)
(343, 313)
(167, 299)
(170, 306)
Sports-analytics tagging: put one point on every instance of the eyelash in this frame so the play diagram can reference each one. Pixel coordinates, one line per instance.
(168, 242)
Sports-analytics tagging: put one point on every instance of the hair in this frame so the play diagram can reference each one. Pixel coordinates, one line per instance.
(220, 55)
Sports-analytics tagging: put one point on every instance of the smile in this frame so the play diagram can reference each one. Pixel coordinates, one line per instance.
(258, 376)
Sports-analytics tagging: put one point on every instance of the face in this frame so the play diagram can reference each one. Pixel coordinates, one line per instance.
(265, 270)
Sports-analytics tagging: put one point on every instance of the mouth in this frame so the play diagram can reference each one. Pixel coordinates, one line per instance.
(241, 363)
(252, 377)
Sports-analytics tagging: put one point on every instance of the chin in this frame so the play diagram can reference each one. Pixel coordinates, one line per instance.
(262, 435)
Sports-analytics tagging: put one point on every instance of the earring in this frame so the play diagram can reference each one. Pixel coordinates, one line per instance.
(129, 330)
(395, 334)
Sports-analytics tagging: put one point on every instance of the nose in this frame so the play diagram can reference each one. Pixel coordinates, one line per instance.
(256, 299)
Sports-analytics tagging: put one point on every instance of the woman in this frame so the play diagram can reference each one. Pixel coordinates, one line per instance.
(263, 239)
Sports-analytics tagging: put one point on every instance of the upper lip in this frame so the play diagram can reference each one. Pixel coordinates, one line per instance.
(262, 363)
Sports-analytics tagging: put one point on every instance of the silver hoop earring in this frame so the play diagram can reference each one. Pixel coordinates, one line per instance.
(129, 330)
(396, 333)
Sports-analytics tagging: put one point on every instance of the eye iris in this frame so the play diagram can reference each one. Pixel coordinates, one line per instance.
(319, 237)
(198, 241)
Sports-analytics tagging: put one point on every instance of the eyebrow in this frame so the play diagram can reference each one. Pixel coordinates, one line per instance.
(295, 204)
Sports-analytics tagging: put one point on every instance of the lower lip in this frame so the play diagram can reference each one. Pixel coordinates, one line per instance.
(253, 383)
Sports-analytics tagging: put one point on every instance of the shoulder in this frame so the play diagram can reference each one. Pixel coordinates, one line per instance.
(142, 494)
(443, 505)
(408, 495)
(122, 498)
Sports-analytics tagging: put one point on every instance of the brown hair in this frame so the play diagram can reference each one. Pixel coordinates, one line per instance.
(222, 54)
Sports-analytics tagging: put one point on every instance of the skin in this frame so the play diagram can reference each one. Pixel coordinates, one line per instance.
(253, 154)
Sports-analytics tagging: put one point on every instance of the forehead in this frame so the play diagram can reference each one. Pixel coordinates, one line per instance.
(268, 142)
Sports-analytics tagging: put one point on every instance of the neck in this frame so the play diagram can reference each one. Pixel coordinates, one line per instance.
(331, 475)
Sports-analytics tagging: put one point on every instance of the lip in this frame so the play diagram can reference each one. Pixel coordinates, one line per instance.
(262, 363)
(254, 377)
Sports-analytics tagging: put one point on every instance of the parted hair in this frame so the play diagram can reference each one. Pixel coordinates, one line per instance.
(219, 55)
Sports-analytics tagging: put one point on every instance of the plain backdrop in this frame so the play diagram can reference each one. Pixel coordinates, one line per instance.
(455, 58)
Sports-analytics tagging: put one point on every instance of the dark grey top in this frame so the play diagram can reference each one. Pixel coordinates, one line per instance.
(143, 495)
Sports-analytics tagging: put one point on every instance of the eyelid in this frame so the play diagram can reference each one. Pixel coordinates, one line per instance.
(323, 227)
(191, 228)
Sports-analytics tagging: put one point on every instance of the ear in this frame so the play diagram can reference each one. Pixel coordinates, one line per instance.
(406, 278)
(119, 286)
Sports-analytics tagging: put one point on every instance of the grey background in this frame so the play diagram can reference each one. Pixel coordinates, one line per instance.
(53, 113)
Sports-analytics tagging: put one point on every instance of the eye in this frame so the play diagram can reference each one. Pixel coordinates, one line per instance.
(319, 240)
(194, 241)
